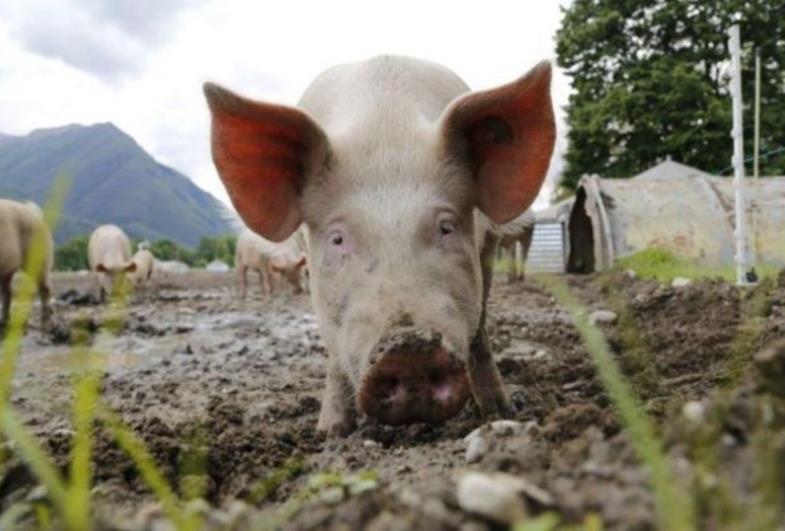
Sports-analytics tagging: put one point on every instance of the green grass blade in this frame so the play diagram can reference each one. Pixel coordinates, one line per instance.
(20, 312)
(145, 463)
(88, 368)
(35, 457)
(674, 507)
(27, 448)
(86, 384)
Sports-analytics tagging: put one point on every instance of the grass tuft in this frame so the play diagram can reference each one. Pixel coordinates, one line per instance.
(71, 499)
(674, 507)
(144, 462)
(662, 265)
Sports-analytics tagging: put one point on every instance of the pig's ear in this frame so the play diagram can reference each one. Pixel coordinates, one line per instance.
(264, 154)
(506, 135)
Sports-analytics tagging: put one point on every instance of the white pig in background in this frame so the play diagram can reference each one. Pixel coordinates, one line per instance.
(145, 264)
(399, 174)
(272, 261)
(18, 225)
(109, 257)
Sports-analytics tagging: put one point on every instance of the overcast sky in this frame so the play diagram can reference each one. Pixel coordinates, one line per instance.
(141, 63)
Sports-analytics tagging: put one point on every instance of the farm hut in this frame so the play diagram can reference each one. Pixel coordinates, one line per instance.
(171, 266)
(676, 208)
(217, 266)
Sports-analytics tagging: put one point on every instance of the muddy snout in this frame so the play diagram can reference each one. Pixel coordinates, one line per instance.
(413, 379)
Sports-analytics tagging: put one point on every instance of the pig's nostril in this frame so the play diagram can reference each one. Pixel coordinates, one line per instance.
(391, 393)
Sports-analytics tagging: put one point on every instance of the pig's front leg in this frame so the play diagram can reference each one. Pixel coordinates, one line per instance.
(338, 414)
(486, 382)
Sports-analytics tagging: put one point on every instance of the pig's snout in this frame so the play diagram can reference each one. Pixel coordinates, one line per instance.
(414, 379)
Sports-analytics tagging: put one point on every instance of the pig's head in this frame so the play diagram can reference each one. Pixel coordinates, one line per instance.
(113, 275)
(118, 270)
(291, 270)
(393, 239)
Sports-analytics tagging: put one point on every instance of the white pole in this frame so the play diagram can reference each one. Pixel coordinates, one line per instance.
(757, 113)
(755, 165)
(734, 44)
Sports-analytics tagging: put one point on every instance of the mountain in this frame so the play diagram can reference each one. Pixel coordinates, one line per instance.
(113, 180)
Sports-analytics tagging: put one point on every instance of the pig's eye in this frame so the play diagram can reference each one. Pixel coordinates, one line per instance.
(446, 227)
(336, 238)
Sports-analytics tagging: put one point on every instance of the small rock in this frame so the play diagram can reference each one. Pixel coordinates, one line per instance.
(508, 427)
(39, 494)
(603, 317)
(332, 495)
(680, 282)
(494, 497)
(476, 446)
(694, 411)
(478, 442)
(403, 469)
(728, 440)
(631, 274)
(368, 443)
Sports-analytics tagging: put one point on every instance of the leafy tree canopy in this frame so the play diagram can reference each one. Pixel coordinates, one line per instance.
(650, 80)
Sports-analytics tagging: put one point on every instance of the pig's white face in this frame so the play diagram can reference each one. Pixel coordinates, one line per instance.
(402, 251)
(112, 276)
(386, 169)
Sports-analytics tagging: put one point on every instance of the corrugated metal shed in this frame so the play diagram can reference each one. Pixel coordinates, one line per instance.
(548, 248)
(688, 213)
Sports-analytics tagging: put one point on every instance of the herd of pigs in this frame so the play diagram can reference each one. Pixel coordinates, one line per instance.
(111, 260)
(398, 183)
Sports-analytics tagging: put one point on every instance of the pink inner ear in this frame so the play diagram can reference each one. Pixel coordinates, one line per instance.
(264, 154)
(508, 134)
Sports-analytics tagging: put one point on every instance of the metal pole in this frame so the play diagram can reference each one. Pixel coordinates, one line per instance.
(757, 114)
(734, 44)
(755, 164)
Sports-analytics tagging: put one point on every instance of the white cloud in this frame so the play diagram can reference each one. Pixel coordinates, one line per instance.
(141, 64)
(109, 38)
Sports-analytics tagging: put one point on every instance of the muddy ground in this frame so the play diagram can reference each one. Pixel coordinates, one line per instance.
(226, 396)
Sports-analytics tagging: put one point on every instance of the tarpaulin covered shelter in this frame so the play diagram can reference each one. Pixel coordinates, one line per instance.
(676, 208)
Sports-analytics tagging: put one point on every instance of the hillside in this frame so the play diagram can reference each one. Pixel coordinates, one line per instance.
(113, 180)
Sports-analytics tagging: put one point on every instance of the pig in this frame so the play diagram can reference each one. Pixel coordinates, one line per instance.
(269, 260)
(145, 263)
(520, 230)
(109, 257)
(19, 223)
(399, 176)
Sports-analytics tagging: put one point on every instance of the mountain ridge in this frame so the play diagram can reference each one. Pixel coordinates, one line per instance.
(113, 180)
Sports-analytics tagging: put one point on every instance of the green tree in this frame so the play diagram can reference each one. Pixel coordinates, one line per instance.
(649, 80)
(219, 248)
(169, 250)
(72, 255)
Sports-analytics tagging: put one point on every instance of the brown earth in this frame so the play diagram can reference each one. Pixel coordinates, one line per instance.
(226, 394)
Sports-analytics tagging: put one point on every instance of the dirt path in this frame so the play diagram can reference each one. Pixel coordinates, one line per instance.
(227, 393)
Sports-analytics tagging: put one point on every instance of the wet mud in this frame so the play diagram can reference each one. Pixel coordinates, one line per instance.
(226, 394)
